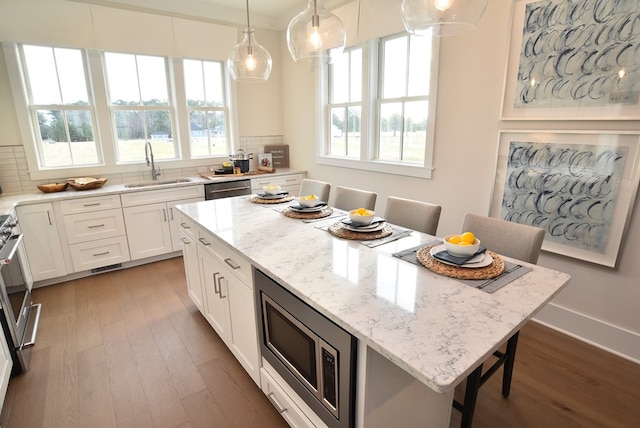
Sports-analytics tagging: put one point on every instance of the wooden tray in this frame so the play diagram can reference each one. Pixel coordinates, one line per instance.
(53, 187)
(84, 184)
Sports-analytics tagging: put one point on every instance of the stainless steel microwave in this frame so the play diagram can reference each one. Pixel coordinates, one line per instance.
(315, 356)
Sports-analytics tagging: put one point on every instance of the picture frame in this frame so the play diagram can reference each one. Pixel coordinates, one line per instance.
(580, 186)
(556, 70)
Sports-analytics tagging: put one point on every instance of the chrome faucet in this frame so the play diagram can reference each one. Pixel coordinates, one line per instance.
(148, 154)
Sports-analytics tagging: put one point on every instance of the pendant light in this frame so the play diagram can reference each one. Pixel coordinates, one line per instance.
(249, 61)
(315, 34)
(442, 17)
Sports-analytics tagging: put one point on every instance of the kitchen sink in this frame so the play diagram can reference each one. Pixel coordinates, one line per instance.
(157, 183)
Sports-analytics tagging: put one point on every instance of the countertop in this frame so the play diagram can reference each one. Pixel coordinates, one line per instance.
(436, 328)
(7, 201)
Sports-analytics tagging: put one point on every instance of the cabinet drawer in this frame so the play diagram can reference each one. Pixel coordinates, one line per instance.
(284, 180)
(103, 252)
(94, 225)
(236, 263)
(162, 195)
(94, 203)
(187, 225)
(283, 403)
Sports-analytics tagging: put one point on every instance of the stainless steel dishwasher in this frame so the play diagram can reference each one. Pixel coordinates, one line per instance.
(227, 189)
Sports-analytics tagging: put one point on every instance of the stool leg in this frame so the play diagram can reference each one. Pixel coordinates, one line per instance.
(470, 397)
(508, 364)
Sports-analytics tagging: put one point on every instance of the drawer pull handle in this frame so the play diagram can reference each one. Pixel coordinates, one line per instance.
(101, 254)
(232, 264)
(97, 225)
(203, 242)
(185, 241)
(271, 396)
(290, 179)
(95, 204)
(185, 226)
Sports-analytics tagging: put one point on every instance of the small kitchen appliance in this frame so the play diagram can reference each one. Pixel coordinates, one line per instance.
(241, 160)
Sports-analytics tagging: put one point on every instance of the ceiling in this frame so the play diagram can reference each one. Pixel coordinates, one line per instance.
(268, 14)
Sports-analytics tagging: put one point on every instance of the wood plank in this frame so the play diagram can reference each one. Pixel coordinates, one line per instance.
(96, 404)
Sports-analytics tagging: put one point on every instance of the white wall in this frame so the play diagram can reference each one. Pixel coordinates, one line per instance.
(600, 304)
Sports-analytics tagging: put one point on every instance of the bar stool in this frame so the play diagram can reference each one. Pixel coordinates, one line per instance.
(415, 215)
(315, 187)
(513, 240)
(348, 199)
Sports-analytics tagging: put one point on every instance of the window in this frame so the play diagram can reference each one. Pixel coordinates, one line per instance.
(204, 87)
(379, 106)
(140, 106)
(91, 111)
(60, 107)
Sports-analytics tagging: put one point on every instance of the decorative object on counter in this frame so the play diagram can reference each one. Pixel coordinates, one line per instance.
(279, 154)
(265, 161)
(273, 190)
(324, 211)
(493, 270)
(53, 187)
(343, 231)
(315, 35)
(442, 17)
(86, 183)
(241, 160)
(309, 201)
(249, 61)
(361, 216)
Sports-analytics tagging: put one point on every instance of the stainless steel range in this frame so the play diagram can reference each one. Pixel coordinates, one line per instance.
(19, 315)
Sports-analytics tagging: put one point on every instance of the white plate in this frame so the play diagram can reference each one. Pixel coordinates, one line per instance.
(301, 209)
(276, 196)
(365, 229)
(478, 261)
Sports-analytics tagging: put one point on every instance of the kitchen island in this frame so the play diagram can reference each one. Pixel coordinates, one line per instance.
(419, 333)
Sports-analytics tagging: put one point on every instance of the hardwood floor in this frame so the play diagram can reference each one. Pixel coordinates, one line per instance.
(129, 349)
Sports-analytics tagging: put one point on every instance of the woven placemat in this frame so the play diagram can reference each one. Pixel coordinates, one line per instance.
(258, 200)
(494, 269)
(336, 229)
(324, 212)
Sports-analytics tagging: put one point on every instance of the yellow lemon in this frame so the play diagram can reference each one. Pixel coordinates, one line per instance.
(464, 243)
(468, 237)
(454, 239)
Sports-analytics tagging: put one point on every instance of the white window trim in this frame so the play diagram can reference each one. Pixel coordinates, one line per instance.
(103, 127)
(368, 126)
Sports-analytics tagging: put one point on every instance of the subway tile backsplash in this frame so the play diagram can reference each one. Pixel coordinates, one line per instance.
(15, 178)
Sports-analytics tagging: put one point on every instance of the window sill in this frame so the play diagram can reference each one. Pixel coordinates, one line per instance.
(377, 166)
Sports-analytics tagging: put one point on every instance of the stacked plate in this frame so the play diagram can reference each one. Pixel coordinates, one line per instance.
(480, 259)
(376, 225)
(280, 195)
(315, 209)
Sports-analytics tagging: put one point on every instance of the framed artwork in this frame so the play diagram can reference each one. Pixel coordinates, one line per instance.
(573, 60)
(579, 186)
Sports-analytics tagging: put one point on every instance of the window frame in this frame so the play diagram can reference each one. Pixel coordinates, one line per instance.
(370, 117)
(104, 130)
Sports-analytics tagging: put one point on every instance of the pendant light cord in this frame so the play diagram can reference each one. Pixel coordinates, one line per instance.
(249, 29)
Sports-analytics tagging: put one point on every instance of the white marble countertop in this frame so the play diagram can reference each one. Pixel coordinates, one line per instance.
(7, 201)
(436, 328)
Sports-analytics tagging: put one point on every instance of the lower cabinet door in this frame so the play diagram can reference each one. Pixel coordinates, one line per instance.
(215, 290)
(244, 342)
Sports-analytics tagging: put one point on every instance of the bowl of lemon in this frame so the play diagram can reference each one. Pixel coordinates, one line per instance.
(272, 189)
(463, 245)
(309, 201)
(361, 216)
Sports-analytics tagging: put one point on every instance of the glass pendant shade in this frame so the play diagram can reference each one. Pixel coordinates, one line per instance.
(442, 17)
(315, 34)
(249, 61)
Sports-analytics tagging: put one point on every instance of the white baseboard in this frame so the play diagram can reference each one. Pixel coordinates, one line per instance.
(621, 342)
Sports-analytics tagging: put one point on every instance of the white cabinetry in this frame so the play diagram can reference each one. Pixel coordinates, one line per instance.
(151, 219)
(290, 182)
(227, 281)
(95, 231)
(42, 241)
(190, 259)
